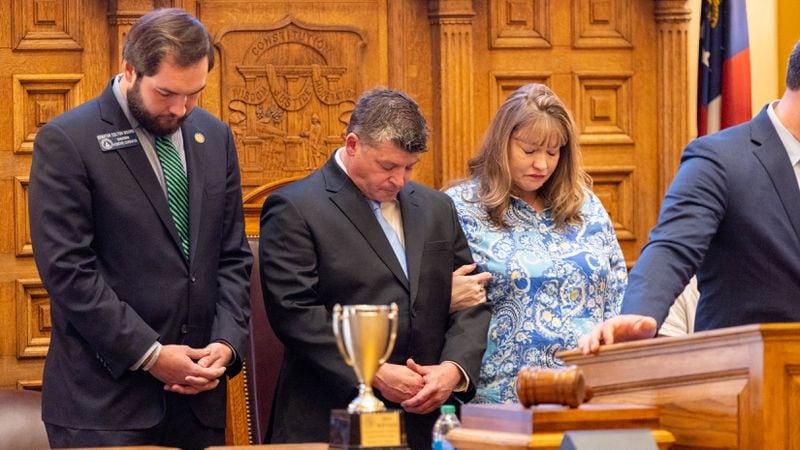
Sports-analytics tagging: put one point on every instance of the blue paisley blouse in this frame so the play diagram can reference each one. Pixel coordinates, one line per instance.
(549, 285)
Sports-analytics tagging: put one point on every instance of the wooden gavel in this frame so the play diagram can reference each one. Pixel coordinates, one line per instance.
(565, 386)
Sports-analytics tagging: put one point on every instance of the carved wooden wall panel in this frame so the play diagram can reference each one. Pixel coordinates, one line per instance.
(614, 187)
(505, 83)
(604, 107)
(47, 24)
(453, 81)
(53, 56)
(793, 402)
(22, 229)
(520, 23)
(287, 91)
(289, 75)
(39, 98)
(33, 319)
(601, 24)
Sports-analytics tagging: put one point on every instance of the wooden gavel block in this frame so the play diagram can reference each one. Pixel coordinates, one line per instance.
(565, 386)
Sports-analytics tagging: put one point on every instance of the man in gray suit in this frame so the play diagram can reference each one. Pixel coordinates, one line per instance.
(732, 216)
(357, 231)
(138, 234)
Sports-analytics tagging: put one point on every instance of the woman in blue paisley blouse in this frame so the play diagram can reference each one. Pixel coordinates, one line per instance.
(533, 222)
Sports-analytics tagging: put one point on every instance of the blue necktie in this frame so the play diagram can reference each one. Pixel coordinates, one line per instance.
(391, 235)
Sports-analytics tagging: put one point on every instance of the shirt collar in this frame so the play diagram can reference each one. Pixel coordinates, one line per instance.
(123, 103)
(338, 158)
(790, 143)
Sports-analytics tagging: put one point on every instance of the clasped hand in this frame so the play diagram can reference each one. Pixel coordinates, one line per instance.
(418, 389)
(187, 370)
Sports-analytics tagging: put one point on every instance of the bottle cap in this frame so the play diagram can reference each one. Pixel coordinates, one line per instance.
(448, 409)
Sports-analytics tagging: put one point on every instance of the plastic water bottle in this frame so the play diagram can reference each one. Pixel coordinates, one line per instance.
(446, 422)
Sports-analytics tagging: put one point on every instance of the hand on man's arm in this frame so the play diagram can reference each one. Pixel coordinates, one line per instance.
(622, 328)
(468, 290)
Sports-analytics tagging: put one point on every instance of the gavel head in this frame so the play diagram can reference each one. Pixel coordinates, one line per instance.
(565, 386)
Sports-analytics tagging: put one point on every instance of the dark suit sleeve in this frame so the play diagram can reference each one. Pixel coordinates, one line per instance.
(233, 302)
(693, 208)
(62, 233)
(290, 279)
(465, 340)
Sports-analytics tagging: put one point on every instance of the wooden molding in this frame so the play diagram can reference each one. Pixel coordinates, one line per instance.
(47, 25)
(22, 229)
(29, 385)
(33, 319)
(604, 107)
(613, 185)
(454, 109)
(503, 84)
(601, 24)
(519, 24)
(39, 98)
(672, 22)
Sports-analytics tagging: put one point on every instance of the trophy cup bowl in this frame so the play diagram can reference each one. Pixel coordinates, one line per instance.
(365, 335)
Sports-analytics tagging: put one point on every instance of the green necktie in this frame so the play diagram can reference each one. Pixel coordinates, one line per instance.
(177, 188)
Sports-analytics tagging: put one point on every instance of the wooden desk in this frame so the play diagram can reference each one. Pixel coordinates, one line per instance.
(543, 426)
(730, 388)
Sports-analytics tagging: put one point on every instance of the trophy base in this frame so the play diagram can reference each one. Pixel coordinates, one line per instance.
(376, 430)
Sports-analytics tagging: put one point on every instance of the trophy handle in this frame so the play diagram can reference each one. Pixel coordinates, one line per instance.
(337, 321)
(392, 334)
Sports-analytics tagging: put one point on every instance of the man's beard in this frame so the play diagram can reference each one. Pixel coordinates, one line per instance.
(154, 124)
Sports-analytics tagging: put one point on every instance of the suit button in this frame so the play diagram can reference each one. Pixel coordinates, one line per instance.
(413, 313)
(184, 329)
(193, 279)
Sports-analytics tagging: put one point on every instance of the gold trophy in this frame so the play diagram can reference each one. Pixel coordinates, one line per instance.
(365, 335)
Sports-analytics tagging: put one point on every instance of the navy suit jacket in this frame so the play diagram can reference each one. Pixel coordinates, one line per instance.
(109, 256)
(321, 245)
(732, 214)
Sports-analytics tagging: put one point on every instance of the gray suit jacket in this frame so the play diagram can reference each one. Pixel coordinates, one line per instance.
(733, 215)
(109, 256)
(321, 245)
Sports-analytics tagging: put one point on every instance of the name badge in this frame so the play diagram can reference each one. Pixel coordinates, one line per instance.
(117, 140)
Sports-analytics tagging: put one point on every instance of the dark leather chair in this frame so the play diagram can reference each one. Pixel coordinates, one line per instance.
(264, 361)
(21, 423)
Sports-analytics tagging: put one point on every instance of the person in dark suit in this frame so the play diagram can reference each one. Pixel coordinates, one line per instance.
(138, 234)
(357, 231)
(732, 215)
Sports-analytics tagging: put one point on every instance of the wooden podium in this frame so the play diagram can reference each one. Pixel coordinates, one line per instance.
(736, 387)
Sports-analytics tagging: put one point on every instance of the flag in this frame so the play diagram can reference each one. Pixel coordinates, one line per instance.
(723, 81)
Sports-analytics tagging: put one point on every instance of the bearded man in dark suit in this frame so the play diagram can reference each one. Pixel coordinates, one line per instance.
(138, 234)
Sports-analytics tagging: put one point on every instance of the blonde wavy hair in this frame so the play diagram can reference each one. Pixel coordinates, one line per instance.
(533, 113)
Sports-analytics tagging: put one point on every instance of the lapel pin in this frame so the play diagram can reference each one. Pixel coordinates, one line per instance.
(199, 138)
